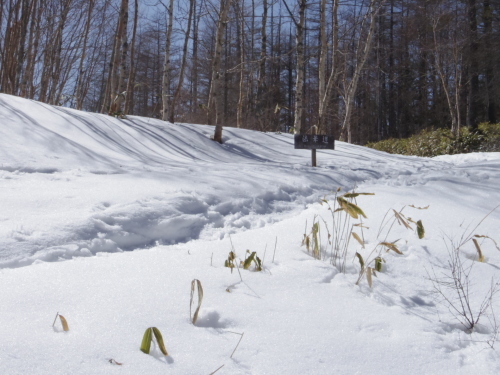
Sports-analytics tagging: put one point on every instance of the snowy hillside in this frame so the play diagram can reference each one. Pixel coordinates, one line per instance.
(107, 221)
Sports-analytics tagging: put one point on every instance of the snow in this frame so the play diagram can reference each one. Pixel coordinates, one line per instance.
(107, 221)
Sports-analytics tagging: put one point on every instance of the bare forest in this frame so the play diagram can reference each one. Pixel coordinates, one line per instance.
(361, 70)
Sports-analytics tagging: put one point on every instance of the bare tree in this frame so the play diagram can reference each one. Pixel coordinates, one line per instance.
(166, 77)
(240, 31)
(325, 86)
(215, 104)
(131, 78)
(300, 69)
(79, 82)
(364, 47)
(451, 81)
(192, 5)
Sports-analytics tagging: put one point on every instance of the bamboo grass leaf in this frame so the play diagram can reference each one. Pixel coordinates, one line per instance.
(357, 238)
(480, 236)
(249, 260)
(401, 220)
(419, 208)
(391, 246)
(64, 323)
(478, 248)
(353, 210)
(358, 210)
(378, 263)
(258, 264)
(361, 261)
(360, 225)
(354, 195)
(159, 340)
(420, 229)
(199, 288)
(146, 341)
(369, 276)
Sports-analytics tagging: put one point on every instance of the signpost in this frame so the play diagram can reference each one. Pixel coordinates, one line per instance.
(313, 142)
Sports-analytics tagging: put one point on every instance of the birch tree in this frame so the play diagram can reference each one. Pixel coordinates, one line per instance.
(299, 45)
(363, 51)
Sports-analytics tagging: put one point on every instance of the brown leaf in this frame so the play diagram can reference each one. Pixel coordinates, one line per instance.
(391, 246)
(357, 238)
(64, 323)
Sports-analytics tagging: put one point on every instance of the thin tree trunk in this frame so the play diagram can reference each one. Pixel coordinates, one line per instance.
(216, 105)
(121, 88)
(194, 72)
(240, 28)
(167, 64)
(324, 90)
(33, 40)
(79, 85)
(56, 61)
(346, 133)
(118, 65)
(27, 9)
(472, 117)
(129, 98)
(490, 65)
(299, 83)
(261, 82)
(453, 107)
(192, 5)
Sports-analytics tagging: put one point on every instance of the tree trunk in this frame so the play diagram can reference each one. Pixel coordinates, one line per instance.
(119, 68)
(473, 112)
(240, 31)
(192, 5)
(33, 41)
(129, 98)
(167, 64)
(324, 90)
(261, 101)
(350, 91)
(489, 61)
(79, 84)
(215, 104)
(194, 70)
(299, 83)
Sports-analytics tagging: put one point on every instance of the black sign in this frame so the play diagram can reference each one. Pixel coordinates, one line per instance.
(314, 141)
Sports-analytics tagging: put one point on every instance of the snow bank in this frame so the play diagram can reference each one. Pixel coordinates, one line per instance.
(87, 189)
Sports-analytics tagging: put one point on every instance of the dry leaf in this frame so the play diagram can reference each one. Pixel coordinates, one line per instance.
(64, 323)
(357, 238)
(391, 246)
(369, 276)
(478, 248)
(200, 299)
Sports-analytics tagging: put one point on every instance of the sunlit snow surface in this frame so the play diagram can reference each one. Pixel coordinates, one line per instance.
(76, 187)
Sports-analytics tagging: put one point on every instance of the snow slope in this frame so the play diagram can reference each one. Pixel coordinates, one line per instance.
(87, 189)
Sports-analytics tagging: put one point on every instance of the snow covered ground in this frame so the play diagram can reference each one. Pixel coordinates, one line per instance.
(80, 191)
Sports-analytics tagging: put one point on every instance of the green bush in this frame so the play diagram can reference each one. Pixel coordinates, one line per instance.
(431, 143)
(492, 133)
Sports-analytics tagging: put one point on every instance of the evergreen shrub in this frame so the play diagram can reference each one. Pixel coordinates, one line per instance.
(436, 142)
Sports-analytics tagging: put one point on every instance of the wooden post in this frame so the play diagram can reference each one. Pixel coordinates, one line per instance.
(314, 141)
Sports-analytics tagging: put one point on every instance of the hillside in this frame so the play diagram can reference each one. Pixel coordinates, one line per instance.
(107, 221)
